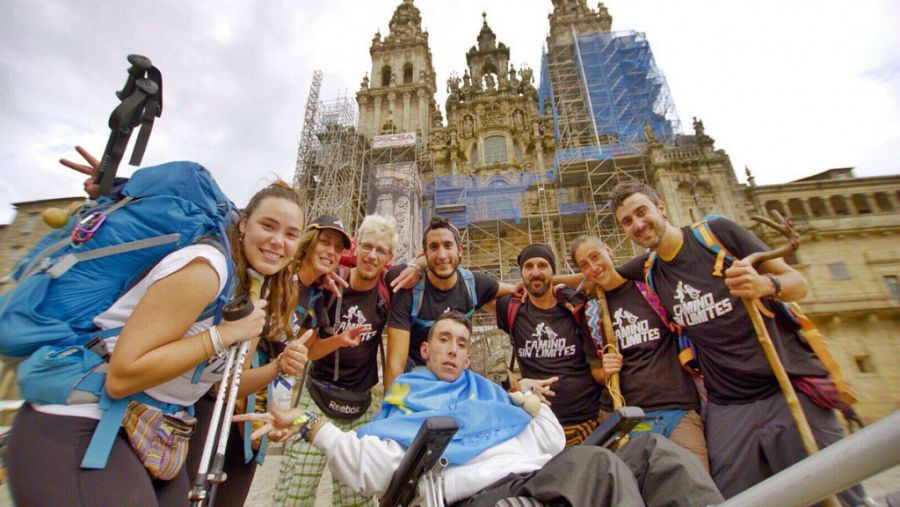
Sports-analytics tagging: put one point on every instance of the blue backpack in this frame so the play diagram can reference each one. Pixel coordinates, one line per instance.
(79, 271)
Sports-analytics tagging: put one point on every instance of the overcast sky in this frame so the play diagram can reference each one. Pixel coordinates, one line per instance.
(789, 88)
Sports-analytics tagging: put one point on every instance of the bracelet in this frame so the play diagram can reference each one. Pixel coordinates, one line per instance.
(776, 285)
(206, 352)
(216, 339)
(278, 364)
(307, 422)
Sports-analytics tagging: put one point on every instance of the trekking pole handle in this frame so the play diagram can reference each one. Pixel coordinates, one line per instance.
(243, 306)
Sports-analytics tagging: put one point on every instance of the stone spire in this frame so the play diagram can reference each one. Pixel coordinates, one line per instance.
(405, 24)
(569, 15)
(399, 94)
(487, 57)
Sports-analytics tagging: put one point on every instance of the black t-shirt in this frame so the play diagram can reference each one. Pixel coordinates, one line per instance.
(548, 343)
(434, 303)
(734, 366)
(651, 377)
(357, 366)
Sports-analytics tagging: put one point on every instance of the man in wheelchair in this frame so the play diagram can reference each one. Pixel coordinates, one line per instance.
(502, 448)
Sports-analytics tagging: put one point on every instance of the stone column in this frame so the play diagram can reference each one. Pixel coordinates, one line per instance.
(376, 117)
(424, 125)
(406, 97)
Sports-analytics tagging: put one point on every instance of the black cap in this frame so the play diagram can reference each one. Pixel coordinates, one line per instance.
(537, 250)
(329, 222)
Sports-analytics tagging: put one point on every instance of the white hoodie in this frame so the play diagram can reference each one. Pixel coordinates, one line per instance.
(367, 464)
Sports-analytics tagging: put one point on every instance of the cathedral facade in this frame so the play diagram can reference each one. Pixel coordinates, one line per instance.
(528, 155)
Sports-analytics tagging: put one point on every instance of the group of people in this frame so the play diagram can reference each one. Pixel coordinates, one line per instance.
(716, 421)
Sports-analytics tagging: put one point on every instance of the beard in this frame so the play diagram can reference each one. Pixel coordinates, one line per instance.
(539, 291)
(443, 276)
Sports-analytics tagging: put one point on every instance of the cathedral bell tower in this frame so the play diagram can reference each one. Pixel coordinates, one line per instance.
(399, 96)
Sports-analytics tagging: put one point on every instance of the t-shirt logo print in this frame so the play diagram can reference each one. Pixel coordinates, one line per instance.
(354, 317)
(694, 307)
(630, 330)
(545, 343)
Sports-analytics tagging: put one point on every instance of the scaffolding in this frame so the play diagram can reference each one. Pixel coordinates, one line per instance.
(608, 98)
(395, 162)
(330, 160)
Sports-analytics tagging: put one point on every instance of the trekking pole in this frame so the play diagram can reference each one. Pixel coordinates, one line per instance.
(141, 101)
(806, 435)
(228, 386)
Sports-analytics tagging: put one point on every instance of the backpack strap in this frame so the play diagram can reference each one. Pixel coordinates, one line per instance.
(512, 311)
(687, 356)
(384, 295)
(469, 280)
(417, 296)
(592, 316)
(703, 233)
(302, 311)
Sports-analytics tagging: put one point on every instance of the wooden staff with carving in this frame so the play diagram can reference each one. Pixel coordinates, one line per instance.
(785, 227)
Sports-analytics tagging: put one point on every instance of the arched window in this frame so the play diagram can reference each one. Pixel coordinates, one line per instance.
(818, 207)
(883, 201)
(775, 205)
(386, 75)
(407, 73)
(495, 149)
(861, 203)
(796, 208)
(839, 205)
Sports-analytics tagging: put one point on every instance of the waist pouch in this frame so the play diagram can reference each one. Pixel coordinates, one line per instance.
(337, 402)
(159, 440)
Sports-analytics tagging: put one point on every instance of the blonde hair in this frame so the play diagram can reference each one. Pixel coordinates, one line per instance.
(283, 293)
(380, 226)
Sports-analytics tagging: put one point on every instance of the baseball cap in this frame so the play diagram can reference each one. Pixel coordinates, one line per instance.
(330, 222)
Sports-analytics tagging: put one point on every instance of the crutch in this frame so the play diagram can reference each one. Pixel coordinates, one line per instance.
(228, 386)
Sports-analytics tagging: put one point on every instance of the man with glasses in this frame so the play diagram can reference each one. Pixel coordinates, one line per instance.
(344, 365)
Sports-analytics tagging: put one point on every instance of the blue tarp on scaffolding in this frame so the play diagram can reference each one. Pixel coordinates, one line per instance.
(624, 89)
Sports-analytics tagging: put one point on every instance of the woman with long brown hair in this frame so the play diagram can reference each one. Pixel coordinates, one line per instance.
(163, 338)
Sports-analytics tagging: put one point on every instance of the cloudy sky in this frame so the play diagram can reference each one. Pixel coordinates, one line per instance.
(789, 88)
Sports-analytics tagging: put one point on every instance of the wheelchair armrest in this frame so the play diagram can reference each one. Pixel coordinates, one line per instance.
(615, 427)
(424, 452)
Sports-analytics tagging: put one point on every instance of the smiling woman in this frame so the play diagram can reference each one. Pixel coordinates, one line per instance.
(165, 350)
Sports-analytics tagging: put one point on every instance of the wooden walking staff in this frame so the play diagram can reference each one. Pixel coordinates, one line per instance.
(787, 229)
(613, 383)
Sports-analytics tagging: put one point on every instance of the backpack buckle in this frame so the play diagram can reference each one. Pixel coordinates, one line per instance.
(87, 226)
